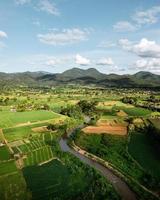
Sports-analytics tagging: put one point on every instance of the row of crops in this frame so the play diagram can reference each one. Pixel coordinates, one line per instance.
(29, 146)
(38, 156)
(34, 151)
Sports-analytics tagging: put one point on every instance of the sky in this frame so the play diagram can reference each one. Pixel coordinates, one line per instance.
(55, 35)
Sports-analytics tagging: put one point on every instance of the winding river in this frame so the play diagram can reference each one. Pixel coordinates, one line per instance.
(120, 186)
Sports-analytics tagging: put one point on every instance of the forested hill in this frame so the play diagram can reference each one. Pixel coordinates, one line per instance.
(80, 76)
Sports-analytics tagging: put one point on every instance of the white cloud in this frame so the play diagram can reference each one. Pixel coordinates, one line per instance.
(148, 64)
(125, 44)
(141, 63)
(149, 16)
(145, 48)
(47, 6)
(82, 60)
(3, 34)
(22, 2)
(105, 61)
(124, 26)
(51, 63)
(67, 36)
(139, 19)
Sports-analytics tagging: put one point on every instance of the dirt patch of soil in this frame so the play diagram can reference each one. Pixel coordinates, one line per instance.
(138, 121)
(107, 103)
(104, 122)
(109, 129)
(40, 129)
(121, 113)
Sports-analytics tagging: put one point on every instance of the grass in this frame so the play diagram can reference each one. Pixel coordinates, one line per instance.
(38, 156)
(70, 180)
(49, 180)
(135, 111)
(4, 153)
(18, 133)
(7, 167)
(13, 187)
(10, 119)
(111, 148)
(111, 104)
(139, 146)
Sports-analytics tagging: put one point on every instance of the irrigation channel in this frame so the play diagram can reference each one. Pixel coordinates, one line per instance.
(120, 186)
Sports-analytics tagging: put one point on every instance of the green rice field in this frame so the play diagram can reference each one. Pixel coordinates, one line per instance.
(10, 119)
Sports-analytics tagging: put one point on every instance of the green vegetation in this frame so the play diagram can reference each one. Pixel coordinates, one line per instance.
(13, 187)
(18, 133)
(135, 111)
(111, 148)
(34, 119)
(4, 153)
(71, 180)
(141, 145)
(9, 119)
(7, 167)
(80, 76)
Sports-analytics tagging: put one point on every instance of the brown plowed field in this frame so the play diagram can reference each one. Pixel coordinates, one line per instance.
(106, 128)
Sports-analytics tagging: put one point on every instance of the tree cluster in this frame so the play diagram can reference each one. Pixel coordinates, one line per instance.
(130, 100)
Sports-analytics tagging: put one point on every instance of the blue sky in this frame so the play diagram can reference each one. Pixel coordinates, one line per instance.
(55, 35)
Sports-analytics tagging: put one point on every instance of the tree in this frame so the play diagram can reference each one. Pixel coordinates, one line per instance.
(52, 127)
(6, 100)
(87, 107)
(72, 111)
(130, 100)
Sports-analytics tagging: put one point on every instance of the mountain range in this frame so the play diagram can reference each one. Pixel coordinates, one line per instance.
(79, 76)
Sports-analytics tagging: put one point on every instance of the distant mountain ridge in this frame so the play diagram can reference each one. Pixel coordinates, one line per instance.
(89, 76)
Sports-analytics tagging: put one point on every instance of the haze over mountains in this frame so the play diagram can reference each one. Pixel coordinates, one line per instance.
(89, 76)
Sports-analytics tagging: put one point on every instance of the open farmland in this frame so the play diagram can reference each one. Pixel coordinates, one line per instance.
(134, 111)
(30, 151)
(110, 104)
(10, 119)
(22, 132)
(114, 130)
(56, 179)
(115, 126)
